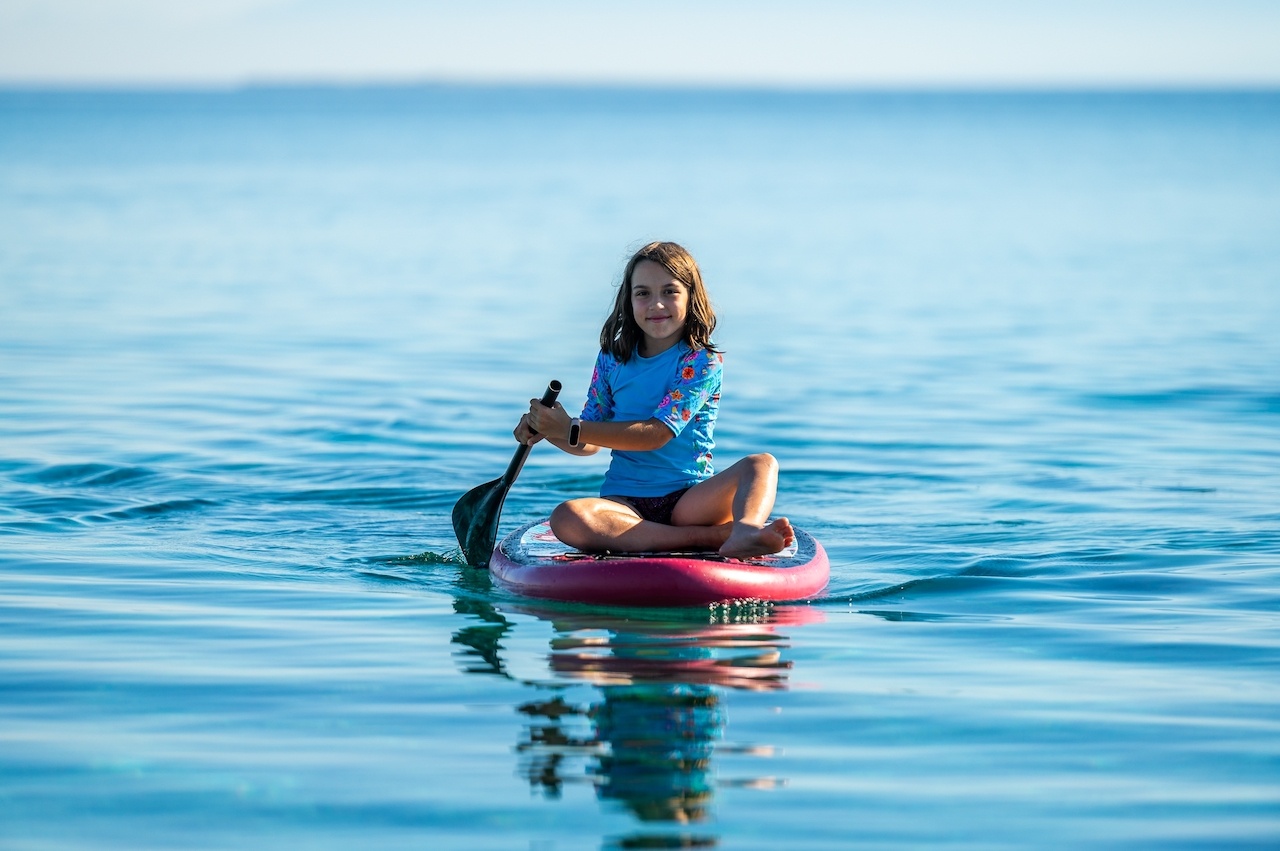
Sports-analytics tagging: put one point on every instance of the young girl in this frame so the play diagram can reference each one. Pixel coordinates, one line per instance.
(653, 400)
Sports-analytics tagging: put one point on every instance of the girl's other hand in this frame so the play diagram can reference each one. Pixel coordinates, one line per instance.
(553, 421)
(525, 434)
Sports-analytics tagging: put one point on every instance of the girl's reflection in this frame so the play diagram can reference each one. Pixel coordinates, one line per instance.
(648, 742)
(659, 743)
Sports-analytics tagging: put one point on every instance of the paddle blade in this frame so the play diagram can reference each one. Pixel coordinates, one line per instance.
(475, 516)
(475, 521)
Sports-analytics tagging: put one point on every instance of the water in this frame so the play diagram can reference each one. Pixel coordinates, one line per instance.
(1016, 354)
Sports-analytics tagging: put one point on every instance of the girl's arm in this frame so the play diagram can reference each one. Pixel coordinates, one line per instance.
(527, 434)
(636, 435)
(553, 424)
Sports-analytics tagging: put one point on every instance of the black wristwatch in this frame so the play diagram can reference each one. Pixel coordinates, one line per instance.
(575, 429)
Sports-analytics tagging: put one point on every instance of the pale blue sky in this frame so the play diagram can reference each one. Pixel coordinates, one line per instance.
(1090, 43)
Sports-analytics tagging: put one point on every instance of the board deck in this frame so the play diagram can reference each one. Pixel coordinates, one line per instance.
(532, 562)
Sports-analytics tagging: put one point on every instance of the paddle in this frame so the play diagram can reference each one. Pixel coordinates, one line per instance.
(475, 517)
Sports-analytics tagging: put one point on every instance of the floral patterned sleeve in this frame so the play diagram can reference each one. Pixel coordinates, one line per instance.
(697, 382)
(599, 404)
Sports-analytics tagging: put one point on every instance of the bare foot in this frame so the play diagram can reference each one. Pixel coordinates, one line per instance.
(746, 541)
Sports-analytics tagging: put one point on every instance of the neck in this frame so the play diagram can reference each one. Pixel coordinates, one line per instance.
(650, 348)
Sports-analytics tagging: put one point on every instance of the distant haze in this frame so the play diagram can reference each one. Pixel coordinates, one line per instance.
(803, 43)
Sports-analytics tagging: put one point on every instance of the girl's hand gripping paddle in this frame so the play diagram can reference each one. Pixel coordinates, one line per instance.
(475, 517)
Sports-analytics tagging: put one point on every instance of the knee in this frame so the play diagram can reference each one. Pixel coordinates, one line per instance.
(568, 524)
(762, 463)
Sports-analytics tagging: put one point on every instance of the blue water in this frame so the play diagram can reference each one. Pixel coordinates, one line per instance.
(1016, 353)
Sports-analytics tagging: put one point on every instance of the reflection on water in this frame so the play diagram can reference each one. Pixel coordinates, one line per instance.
(646, 742)
(647, 747)
(734, 655)
(481, 642)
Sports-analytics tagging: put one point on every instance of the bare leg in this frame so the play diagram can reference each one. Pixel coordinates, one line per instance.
(728, 512)
(742, 495)
(595, 524)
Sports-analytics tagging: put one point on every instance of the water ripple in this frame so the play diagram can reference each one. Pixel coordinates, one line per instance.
(1245, 400)
(87, 475)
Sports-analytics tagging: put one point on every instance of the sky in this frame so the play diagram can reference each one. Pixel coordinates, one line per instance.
(786, 43)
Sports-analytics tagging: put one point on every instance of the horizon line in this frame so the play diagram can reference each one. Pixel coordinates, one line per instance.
(685, 86)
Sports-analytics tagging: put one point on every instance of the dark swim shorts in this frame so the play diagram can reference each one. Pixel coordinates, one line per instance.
(657, 509)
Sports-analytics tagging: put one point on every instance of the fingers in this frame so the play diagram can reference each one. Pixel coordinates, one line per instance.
(528, 438)
(543, 420)
(525, 433)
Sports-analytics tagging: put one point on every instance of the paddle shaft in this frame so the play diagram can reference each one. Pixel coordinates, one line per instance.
(522, 452)
(476, 515)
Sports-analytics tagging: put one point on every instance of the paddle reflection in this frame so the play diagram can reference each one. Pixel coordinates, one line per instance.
(648, 739)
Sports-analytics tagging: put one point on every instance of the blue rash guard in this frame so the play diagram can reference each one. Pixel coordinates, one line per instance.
(681, 388)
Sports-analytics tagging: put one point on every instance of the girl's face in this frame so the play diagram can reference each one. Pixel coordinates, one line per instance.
(660, 304)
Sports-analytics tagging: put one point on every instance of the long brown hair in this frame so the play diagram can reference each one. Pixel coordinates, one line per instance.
(621, 333)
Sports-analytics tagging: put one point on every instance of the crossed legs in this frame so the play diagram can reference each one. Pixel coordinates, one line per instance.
(728, 512)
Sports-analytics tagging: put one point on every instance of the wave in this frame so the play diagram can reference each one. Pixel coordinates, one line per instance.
(1210, 397)
(89, 475)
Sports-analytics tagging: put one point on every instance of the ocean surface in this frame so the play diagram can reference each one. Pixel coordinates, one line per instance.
(1018, 355)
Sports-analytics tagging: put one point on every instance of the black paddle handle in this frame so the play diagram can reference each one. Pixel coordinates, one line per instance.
(522, 452)
(549, 398)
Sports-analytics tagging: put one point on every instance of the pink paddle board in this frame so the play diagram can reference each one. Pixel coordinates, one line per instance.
(532, 562)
